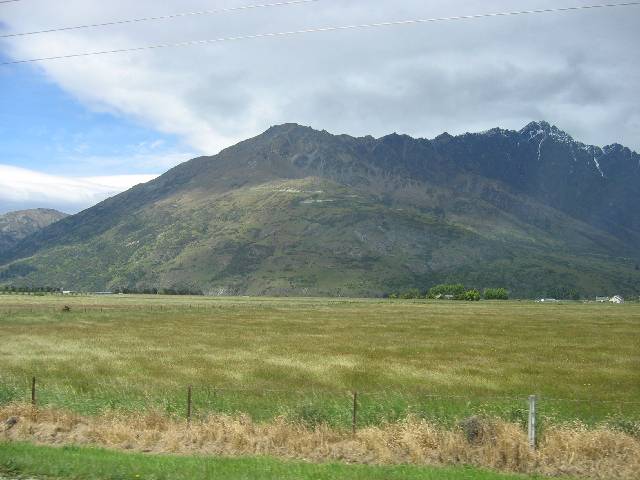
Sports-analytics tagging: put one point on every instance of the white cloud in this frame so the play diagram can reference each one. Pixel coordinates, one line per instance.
(22, 188)
(144, 162)
(578, 70)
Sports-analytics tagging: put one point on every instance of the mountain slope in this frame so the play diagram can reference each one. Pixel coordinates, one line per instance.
(14, 226)
(299, 211)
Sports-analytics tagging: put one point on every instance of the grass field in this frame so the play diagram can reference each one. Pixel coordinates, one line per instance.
(302, 357)
(96, 464)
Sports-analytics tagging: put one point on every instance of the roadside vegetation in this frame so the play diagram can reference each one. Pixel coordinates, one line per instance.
(72, 462)
(484, 443)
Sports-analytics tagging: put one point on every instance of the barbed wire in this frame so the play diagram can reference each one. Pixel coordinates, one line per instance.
(403, 394)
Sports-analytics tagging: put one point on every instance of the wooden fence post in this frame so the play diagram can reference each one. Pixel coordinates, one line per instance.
(189, 404)
(33, 391)
(354, 417)
(532, 422)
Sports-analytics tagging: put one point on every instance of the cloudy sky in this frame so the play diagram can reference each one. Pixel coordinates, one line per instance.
(74, 131)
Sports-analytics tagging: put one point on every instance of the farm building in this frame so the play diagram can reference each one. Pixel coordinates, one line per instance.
(602, 299)
(616, 299)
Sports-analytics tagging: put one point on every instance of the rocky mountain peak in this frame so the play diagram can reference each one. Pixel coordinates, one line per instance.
(445, 137)
(542, 129)
(15, 226)
(288, 129)
(536, 127)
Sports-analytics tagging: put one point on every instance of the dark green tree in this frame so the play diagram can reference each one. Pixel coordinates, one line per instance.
(456, 290)
(496, 294)
(411, 293)
(472, 295)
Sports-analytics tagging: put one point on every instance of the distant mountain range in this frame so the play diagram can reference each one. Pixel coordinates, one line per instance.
(296, 211)
(15, 226)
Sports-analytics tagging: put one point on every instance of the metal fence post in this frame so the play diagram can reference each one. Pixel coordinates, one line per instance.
(33, 391)
(354, 418)
(532, 422)
(189, 404)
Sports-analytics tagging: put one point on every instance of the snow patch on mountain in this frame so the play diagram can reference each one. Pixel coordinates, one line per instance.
(597, 164)
(540, 148)
(535, 129)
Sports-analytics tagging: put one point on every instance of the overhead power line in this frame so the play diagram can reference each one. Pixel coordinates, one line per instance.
(329, 29)
(161, 17)
(9, 1)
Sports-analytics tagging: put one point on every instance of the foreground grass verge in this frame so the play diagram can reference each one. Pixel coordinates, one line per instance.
(572, 450)
(92, 463)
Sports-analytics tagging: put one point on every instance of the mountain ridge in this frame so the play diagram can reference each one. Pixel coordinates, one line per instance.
(500, 207)
(17, 225)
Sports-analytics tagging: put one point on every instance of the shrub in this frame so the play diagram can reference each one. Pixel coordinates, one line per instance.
(563, 293)
(410, 294)
(310, 415)
(472, 295)
(496, 294)
(627, 425)
(456, 290)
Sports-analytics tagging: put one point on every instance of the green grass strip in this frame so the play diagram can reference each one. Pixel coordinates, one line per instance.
(19, 459)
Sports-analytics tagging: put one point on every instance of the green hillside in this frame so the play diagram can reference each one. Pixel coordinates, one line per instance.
(301, 212)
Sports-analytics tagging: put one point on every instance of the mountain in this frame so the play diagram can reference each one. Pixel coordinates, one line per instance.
(296, 211)
(14, 226)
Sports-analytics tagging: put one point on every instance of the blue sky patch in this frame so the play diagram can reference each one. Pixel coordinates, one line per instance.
(43, 128)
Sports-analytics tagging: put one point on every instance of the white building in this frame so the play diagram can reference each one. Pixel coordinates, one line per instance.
(616, 299)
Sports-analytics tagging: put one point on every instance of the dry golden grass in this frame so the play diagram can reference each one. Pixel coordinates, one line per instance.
(563, 450)
(154, 345)
(300, 357)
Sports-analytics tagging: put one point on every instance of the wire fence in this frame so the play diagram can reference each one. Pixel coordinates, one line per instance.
(340, 409)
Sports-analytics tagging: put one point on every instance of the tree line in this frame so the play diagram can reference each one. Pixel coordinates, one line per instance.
(30, 290)
(453, 292)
